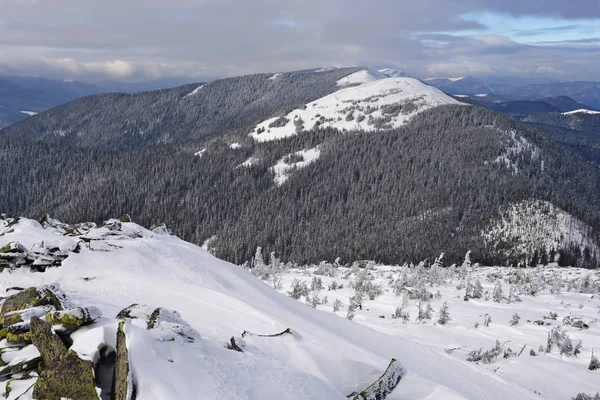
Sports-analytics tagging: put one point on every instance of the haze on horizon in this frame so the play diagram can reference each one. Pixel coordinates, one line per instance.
(152, 39)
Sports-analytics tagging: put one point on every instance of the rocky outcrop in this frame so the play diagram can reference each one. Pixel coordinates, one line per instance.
(73, 318)
(288, 331)
(47, 342)
(68, 376)
(383, 386)
(121, 378)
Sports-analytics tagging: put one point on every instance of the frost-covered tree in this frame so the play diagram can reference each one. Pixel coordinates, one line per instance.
(594, 363)
(298, 289)
(477, 290)
(316, 284)
(444, 314)
(350, 314)
(515, 320)
(498, 294)
(337, 305)
(487, 320)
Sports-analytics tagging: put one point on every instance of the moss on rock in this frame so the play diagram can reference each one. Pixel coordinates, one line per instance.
(121, 372)
(18, 338)
(153, 318)
(47, 342)
(32, 297)
(126, 312)
(73, 318)
(68, 376)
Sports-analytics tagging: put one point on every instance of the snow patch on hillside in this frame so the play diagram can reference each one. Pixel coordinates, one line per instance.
(582, 111)
(517, 144)
(30, 113)
(532, 224)
(235, 146)
(273, 77)
(249, 162)
(376, 105)
(194, 92)
(200, 153)
(294, 161)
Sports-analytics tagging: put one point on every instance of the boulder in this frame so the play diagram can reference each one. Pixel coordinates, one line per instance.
(121, 381)
(34, 297)
(73, 318)
(47, 342)
(127, 312)
(23, 366)
(68, 376)
(383, 386)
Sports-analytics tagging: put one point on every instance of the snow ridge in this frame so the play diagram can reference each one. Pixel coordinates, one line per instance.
(376, 103)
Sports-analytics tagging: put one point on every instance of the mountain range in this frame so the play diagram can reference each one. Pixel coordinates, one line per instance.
(311, 165)
(23, 96)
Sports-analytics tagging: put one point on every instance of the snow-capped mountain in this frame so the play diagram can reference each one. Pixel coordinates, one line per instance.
(193, 324)
(369, 101)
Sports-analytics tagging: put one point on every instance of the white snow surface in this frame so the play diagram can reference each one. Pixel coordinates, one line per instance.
(30, 113)
(431, 348)
(359, 107)
(200, 153)
(362, 76)
(581, 111)
(326, 357)
(193, 92)
(284, 167)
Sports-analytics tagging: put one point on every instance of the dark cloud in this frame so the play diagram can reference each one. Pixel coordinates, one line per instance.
(144, 39)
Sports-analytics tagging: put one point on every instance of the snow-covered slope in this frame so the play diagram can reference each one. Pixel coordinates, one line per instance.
(581, 111)
(325, 357)
(374, 102)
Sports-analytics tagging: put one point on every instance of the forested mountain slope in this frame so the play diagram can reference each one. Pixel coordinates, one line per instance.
(442, 182)
(124, 121)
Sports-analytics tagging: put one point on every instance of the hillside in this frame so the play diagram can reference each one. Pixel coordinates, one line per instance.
(197, 304)
(429, 186)
(123, 121)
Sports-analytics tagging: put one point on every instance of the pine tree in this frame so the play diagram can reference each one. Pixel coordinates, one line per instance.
(594, 362)
(443, 314)
(477, 290)
(498, 294)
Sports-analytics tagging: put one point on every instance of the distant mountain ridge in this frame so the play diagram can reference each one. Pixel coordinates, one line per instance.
(20, 95)
(518, 89)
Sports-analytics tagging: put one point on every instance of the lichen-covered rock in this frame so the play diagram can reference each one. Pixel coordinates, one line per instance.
(68, 376)
(171, 326)
(33, 297)
(29, 364)
(73, 318)
(47, 342)
(18, 334)
(383, 386)
(121, 389)
(24, 315)
(13, 247)
(128, 312)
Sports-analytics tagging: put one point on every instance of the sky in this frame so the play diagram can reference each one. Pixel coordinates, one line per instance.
(134, 40)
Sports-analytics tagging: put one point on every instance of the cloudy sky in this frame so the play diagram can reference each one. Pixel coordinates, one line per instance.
(149, 39)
